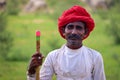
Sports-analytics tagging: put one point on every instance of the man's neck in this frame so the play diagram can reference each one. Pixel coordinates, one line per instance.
(74, 46)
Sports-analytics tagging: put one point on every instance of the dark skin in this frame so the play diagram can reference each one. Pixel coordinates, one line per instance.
(35, 61)
(74, 33)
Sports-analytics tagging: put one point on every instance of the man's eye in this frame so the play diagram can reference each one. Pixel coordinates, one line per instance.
(70, 27)
(79, 28)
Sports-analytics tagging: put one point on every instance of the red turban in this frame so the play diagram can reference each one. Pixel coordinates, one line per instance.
(75, 14)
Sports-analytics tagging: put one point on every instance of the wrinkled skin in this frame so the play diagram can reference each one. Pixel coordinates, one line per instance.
(74, 33)
(35, 61)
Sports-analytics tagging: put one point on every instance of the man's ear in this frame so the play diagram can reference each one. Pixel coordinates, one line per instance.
(63, 30)
(86, 32)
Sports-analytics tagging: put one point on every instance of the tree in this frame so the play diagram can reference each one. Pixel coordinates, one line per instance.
(113, 17)
(5, 36)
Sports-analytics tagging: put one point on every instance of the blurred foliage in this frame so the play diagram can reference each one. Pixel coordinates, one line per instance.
(114, 27)
(53, 43)
(13, 7)
(112, 16)
(60, 5)
(5, 36)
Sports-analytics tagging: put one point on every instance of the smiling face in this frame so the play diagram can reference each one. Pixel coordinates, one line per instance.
(74, 34)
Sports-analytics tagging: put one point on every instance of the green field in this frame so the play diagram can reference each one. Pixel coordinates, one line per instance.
(23, 29)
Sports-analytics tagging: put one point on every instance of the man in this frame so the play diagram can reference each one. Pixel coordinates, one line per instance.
(73, 61)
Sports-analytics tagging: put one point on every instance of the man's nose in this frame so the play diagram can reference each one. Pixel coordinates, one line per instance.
(74, 31)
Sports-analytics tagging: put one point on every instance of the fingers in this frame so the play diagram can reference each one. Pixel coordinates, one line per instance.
(37, 54)
(36, 61)
(38, 57)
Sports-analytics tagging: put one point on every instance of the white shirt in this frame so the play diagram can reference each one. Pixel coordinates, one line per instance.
(67, 64)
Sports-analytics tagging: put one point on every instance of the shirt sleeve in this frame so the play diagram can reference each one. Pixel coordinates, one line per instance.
(46, 71)
(98, 72)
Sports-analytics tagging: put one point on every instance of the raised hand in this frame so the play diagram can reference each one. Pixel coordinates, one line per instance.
(36, 61)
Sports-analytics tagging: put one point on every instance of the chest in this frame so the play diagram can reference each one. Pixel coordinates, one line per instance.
(77, 66)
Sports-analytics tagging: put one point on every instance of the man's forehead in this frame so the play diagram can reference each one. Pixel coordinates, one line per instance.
(77, 23)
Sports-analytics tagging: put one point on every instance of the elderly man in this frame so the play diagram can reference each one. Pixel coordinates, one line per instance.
(73, 61)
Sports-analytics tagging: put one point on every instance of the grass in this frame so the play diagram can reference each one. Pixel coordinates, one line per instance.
(13, 70)
(23, 28)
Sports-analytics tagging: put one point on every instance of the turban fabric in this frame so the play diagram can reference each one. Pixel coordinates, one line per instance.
(75, 14)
